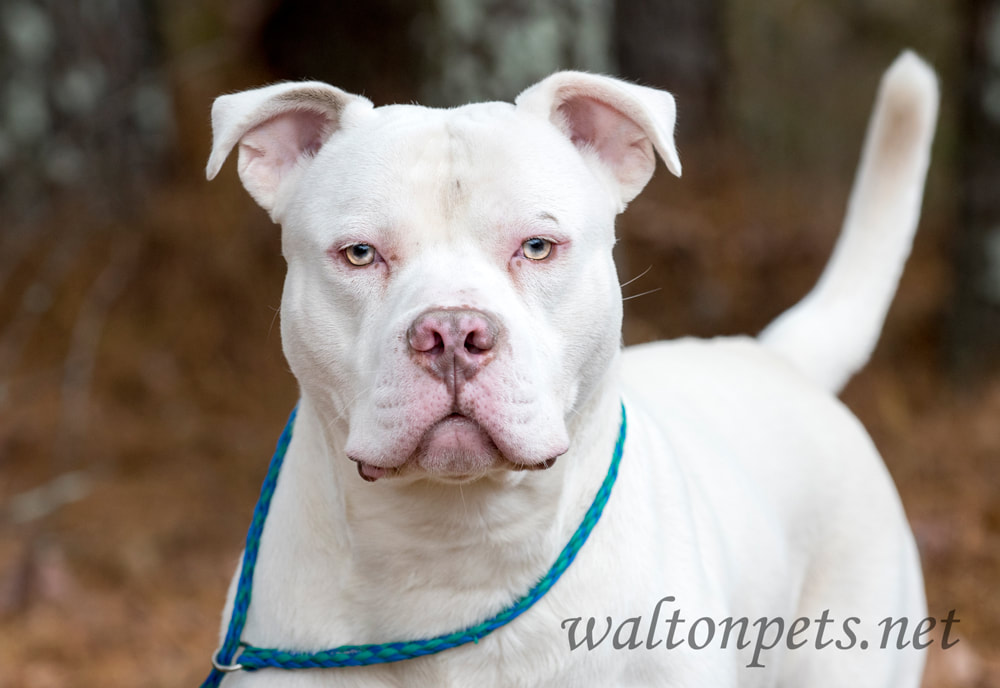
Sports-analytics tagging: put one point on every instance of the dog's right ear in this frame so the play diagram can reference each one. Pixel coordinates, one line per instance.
(276, 127)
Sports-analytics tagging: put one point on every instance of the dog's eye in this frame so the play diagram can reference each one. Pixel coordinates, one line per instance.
(537, 248)
(360, 254)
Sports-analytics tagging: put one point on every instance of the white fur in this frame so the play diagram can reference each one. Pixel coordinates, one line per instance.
(745, 488)
(832, 332)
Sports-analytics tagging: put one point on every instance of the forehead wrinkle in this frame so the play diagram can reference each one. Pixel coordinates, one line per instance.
(436, 173)
(453, 193)
(471, 189)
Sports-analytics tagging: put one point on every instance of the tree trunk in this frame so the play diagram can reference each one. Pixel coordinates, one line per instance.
(975, 328)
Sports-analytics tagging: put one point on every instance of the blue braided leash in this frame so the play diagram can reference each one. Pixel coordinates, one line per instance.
(253, 658)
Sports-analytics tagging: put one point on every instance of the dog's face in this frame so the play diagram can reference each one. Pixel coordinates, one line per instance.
(451, 297)
(430, 254)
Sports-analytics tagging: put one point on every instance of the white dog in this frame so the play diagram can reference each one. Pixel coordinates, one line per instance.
(453, 316)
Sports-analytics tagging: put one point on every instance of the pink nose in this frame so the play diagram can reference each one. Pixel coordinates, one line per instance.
(452, 343)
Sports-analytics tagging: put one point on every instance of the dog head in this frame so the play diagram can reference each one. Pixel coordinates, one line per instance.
(451, 298)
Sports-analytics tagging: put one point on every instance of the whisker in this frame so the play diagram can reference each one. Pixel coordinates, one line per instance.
(277, 311)
(641, 274)
(635, 296)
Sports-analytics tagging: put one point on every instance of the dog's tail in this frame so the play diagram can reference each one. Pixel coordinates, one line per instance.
(831, 333)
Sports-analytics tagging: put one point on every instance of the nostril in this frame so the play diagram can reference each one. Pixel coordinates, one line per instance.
(479, 339)
(426, 338)
(438, 346)
(470, 344)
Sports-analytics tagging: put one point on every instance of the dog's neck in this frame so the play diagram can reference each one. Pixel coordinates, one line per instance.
(482, 543)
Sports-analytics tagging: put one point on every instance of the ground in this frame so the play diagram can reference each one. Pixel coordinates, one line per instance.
(142, 388)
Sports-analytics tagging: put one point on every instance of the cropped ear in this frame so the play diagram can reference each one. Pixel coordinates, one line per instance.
(621, 122)
(276, 127)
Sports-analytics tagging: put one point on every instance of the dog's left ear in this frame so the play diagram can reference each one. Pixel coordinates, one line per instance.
(621, 122)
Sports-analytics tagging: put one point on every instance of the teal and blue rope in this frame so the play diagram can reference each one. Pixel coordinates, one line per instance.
(253, 658)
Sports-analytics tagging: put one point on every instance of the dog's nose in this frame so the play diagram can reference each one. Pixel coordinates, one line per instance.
(453, 342)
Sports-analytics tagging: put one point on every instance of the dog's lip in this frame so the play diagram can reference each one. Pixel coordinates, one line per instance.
(453, 417)
(370, 472)
(540, 466)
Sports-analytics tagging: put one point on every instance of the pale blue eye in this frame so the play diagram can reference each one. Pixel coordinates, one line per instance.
(537, 248)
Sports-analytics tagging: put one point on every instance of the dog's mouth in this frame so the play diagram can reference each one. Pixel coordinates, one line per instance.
(455, 448)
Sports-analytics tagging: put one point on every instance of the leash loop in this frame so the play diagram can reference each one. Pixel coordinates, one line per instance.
(251, 658)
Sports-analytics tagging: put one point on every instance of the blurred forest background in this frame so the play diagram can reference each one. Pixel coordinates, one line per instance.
(142, 385)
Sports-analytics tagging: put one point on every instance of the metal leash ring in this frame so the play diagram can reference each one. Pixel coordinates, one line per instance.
(225, 668)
